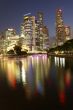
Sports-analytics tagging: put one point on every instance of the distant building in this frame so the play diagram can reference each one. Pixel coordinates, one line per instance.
(34, 32)
(59, 27)
(45, 39)
(28, 31)
(40, 19)
(37, 33)
(7, 38)
(10, 32)
(43, 31)
(52, 41)
(29, 27)
(22, 32)
(67, 33)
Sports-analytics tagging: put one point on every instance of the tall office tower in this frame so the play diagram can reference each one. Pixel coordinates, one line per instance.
(28, 30)
(43, 32)
(40, 27)
(67, 33)
(59, 27)
(37, 32)
(45, 38)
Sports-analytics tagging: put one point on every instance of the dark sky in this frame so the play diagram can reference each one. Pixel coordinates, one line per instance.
(12, 11)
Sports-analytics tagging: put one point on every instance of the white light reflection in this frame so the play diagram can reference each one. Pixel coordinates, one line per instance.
(60, 62)
(57, 61)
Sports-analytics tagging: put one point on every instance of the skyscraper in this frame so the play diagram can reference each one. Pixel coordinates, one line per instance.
(59, 27)
(37, 32)
(43, 31)
(34, 32)
(45, 37)
(28, 31)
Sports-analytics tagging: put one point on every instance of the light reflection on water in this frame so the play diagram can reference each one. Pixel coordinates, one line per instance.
(39, 74)
(59, 61)
(29, 71)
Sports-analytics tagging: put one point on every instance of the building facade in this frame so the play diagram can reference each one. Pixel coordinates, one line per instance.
(59, 28)
(67, 33)
(28, 31)
(43, 32)
(34, 32)
(10, 32)
(40, 18)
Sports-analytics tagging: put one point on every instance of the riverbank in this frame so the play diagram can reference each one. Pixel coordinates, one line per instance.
(22, 56)
(60, 55)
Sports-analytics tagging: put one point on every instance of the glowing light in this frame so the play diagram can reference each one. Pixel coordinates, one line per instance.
(27, 14)
(57, 61)
(11, 73)
(62, 62)
(26, 17)
(10, 29)
(23, 75)
(60, 10)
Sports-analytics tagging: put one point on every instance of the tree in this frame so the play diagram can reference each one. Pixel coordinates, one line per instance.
(17, 49)
(10, 52)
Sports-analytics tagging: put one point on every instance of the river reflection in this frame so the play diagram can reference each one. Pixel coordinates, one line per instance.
(39, 75)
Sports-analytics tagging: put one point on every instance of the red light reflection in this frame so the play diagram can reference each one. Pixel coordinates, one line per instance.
(62, 97)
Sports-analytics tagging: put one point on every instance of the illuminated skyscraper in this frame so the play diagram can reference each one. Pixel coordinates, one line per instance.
(59, 28)
(43, 32)
(45, 37)
(34, 32)
(37, 32)
(28, 31)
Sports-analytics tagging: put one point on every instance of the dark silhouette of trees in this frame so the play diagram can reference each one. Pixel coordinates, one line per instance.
(67, 46)
(10, 52)
(17, 49)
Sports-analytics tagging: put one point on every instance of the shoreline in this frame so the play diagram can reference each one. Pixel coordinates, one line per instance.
(60, 55)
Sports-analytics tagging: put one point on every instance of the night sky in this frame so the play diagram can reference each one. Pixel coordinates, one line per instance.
(12, 12)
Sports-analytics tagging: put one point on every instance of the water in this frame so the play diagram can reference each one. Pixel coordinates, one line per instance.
(36, 82)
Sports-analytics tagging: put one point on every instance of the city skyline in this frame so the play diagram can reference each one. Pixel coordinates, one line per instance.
(12, 12)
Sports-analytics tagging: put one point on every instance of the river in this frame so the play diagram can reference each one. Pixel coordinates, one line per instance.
(36, 82)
